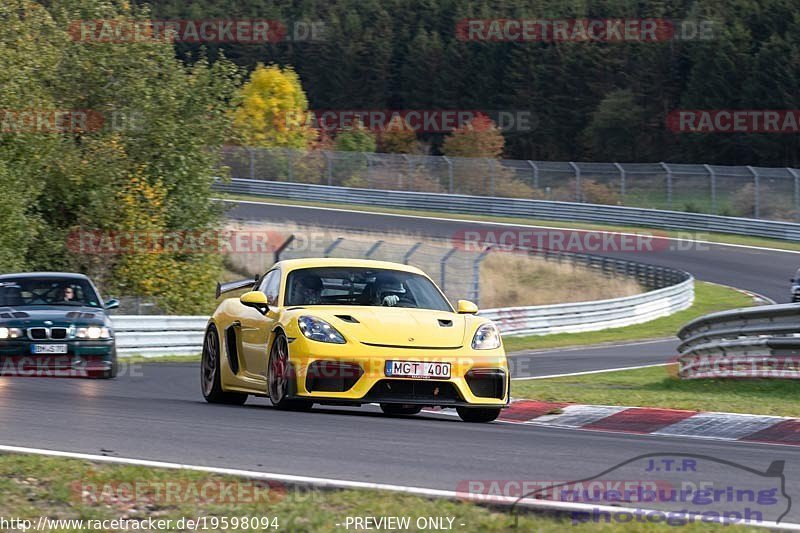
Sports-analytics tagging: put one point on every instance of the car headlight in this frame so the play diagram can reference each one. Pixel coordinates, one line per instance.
(317, 329)
(10, 333)
(93, 333)
(486, 338)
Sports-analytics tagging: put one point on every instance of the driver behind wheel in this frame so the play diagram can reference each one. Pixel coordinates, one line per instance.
(307, 290)
(388, 290)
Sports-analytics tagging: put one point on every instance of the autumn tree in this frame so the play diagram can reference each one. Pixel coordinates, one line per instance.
(479, 138)
(272, 111)
(148, 163)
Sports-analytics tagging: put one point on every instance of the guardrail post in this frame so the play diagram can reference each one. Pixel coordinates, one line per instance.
(796, 177)
(332, 246)
(757, 186)
(328, 167)
(410, 252)
(578, 188)
(283, 247)
(408, 171)
(250, 152)
(713, 178)
(373, 249)
(476, 275)
(443, 266)
(669, 183)
(622, 184)
(449, 174)
(491, 176)
(535, 174)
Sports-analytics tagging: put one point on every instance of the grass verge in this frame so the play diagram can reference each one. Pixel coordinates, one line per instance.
(709, 298)
(722, 238)
(35, 486)
(658, 387)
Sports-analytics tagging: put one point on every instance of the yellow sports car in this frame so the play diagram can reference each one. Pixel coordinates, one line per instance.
(350, 332)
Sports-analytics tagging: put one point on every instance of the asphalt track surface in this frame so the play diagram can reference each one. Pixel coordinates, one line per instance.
(156, 411)
(158, 414)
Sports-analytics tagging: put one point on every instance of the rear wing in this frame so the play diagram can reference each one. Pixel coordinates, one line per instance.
(231, 286)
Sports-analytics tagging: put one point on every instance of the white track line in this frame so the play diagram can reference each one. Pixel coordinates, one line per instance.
(325, 483)
(509, 224)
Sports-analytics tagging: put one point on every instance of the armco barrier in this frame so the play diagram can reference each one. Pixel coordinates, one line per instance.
(154, 335)
(760, 342)
(593, 316)
(180, 335)
(516, 207)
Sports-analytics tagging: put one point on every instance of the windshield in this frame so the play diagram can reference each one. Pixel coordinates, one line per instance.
(20, 292)
(363, 286)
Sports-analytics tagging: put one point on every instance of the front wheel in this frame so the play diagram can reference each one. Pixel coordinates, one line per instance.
(478, 414)
(394, 409)
(209, 373)
(280, 377)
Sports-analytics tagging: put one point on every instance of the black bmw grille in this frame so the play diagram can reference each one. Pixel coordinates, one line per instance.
(37, 333)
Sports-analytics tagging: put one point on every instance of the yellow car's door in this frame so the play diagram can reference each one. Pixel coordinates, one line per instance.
(256, 328)
(255, 332)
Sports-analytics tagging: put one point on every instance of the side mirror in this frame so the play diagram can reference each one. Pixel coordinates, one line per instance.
(112, 304)
(465, 307)
(792, 280)
(255, 299)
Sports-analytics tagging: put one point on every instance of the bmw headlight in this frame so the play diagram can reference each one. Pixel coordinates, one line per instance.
(486, 338)
(317, 329)
(93, 333)
(10, 333)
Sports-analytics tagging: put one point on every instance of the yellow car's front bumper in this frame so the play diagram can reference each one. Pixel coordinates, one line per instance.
(355, 373)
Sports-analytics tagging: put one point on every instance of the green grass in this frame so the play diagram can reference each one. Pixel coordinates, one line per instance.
(711, 237)
(709, 298)
(658, 387)
(34, 486)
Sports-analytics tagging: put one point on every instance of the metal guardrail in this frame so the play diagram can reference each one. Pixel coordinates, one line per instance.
(759, 342)
(593, 316)
(157, 335)
(770, 193)
(514, 207)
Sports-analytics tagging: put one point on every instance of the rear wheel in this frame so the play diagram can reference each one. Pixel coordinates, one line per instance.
(210, 373)
(394, 409)
(478, 414)
(280, 377)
